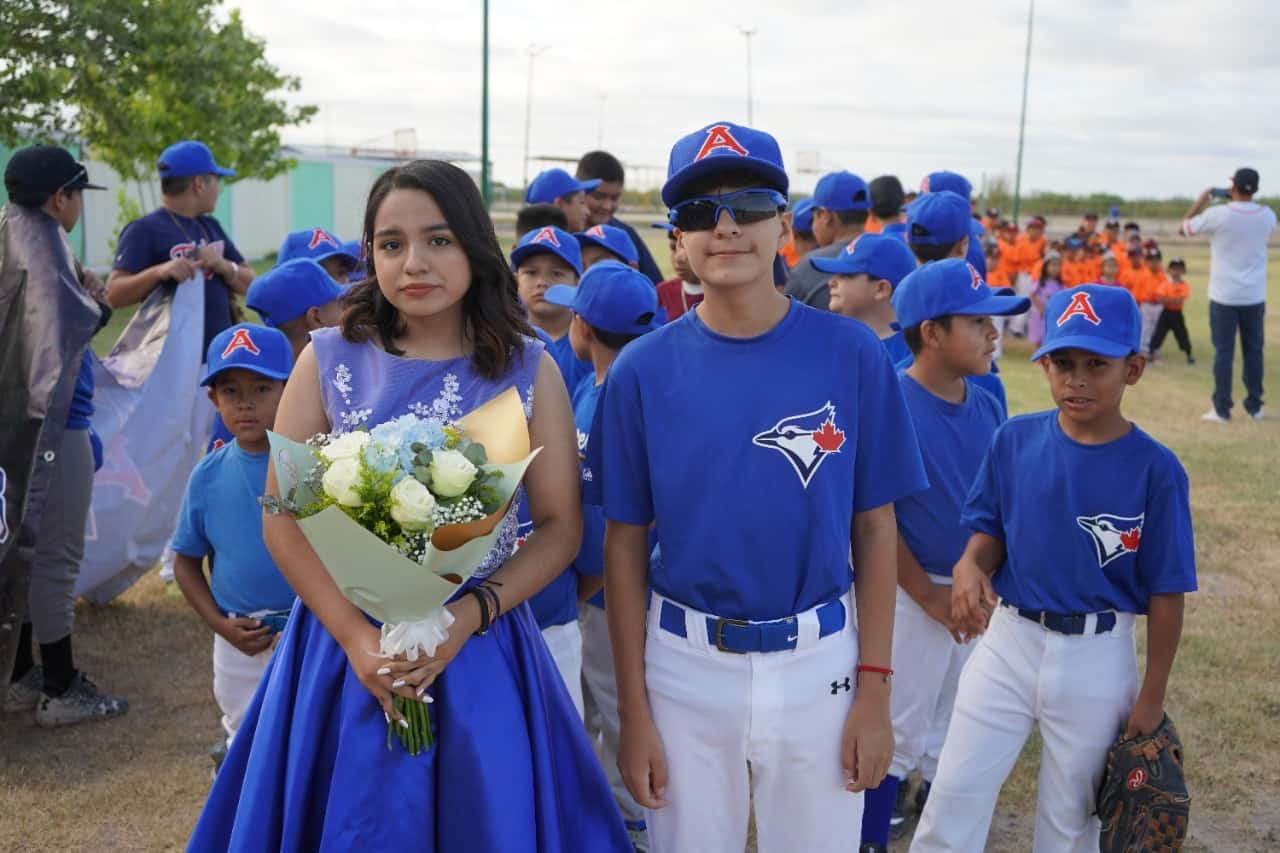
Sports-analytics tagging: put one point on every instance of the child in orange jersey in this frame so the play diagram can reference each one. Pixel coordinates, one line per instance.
(1173, 297)
(1110, 271)
(1149, 295)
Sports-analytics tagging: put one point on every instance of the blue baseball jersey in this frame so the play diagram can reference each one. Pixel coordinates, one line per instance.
(81, 410)
(221, 518)
(752, 455)
(557, 603)
(1086, 527)
(989, 382)
(161, 236)
(954, 438)
(572, 368)
(896, 346)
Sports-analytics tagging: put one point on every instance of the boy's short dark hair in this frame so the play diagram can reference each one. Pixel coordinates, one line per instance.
(612, 340)
(221, 377)
(927, 254)
(602, 165)
(914, 338)
(852, 217)
(535, 216)
(176, 186)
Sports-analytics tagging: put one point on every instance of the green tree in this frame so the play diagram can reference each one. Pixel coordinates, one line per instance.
(131, 77)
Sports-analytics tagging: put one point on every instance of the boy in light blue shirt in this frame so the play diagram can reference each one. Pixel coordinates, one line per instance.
(247, 599)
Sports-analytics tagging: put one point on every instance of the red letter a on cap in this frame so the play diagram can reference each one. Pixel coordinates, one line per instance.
(240, 340)
(1081, 306)
(546, 235)
(718, 136)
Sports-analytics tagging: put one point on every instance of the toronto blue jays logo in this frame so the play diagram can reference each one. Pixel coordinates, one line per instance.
(4, 507)
(1113, 535)
(805, 440)
(522, 534)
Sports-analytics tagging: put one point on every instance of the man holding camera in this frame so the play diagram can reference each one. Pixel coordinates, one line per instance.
(1238, 232)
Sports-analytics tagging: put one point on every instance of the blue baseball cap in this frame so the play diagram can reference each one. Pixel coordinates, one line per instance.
(936, 182)
(189, 157)
(612, 297)
(877, 255)
(938, 219)
(1093, 317)
(947, 287)
(245, 346)
(841, 191)
(611, 239)
(723, 147)
(316, 244)
(802, 216)
(550, 240)
(552, 184)
(287, 290)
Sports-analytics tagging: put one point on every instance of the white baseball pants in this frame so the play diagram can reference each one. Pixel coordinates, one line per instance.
(600, 699)
(1079, 688)
(235, 677)
(926, 672)
(784, 712)
(565, 643)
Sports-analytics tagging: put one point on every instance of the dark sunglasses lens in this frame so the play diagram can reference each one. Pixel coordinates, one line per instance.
(696, 216)
(749, 209)
(745, 209)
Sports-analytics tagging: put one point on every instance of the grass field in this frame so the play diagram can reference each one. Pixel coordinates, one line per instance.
(137, 783)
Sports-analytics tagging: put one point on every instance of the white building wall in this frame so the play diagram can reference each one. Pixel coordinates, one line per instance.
(259, 215)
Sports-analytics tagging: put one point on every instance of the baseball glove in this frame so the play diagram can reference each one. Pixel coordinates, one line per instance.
(1143, 802)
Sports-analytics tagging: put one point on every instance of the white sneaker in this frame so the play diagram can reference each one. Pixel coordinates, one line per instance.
(1212, 415)
(24, 693)
(1258, 415)
(82, 701)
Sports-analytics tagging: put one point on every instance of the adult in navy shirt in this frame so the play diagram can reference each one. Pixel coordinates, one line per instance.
(602, 204)
(168, 245)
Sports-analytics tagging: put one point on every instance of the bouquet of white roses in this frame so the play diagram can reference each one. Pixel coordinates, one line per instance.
(402, 514)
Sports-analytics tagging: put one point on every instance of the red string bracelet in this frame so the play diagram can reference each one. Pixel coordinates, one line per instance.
(879, 670)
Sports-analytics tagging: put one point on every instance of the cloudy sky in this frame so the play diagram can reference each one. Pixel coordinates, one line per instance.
(1137, 97)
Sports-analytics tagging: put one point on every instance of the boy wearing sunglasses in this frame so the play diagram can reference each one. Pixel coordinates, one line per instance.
(739, 645)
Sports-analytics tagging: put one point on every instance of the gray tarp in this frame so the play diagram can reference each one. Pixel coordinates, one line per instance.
(46, 321)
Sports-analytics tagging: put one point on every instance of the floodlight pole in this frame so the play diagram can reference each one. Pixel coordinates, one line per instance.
(534, 51)
(485, 189)
(1022, 120)
(747, 34)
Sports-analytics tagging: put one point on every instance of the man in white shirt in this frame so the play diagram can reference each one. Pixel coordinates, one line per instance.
(1238, 232)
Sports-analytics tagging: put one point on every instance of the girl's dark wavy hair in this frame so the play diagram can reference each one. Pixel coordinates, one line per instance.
(494, 320)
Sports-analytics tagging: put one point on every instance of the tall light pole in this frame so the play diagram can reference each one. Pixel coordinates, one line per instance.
(485, 190)
(1022, 120)
(747, 33)
(534, 52)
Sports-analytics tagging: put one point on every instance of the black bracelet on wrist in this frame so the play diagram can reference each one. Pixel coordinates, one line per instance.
(484, 610)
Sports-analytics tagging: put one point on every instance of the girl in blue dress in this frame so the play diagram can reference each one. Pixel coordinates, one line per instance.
(436, 330)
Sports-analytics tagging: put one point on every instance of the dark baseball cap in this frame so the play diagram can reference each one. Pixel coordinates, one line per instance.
(1245, 180)
(887, 195)
(42, 170)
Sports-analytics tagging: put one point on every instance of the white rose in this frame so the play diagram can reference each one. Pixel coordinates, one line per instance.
(339, 482)
(451, 473)
(346, 446)
(412, 505)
